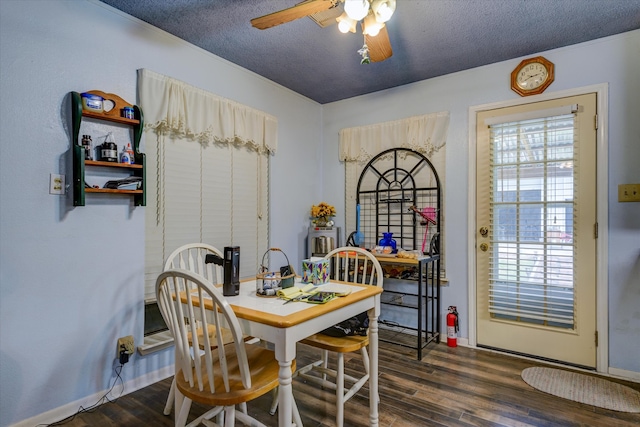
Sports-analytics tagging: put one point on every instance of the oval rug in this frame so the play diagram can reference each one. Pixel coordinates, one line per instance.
(583, 388)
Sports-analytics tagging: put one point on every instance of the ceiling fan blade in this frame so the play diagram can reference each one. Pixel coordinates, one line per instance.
(379, 46)
(306, 8)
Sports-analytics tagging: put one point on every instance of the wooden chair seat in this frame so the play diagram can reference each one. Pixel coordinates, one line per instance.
(264, 377)
(337, 344)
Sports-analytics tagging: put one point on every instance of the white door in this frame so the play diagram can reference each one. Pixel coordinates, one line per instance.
(536, 229)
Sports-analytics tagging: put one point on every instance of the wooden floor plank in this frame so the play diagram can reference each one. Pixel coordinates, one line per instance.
(448, 387)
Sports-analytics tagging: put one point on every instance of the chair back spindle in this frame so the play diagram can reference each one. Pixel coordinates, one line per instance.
(201, 362)
(191, 257)
(355, 265)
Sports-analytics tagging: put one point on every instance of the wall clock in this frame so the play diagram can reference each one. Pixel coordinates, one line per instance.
(532, 76)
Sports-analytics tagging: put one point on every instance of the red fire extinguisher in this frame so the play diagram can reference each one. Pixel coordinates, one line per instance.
(452, 326)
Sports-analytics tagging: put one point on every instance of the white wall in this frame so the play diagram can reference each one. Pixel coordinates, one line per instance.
(614, 60)
(71, 279)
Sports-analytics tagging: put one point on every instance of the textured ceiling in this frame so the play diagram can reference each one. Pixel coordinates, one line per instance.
(429, 38)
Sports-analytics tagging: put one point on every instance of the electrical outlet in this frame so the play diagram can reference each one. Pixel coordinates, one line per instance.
(629, 193)
(126, 343)
(56, 183)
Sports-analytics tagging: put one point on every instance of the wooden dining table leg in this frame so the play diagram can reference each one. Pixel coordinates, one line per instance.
(285, 394)
(374, 397)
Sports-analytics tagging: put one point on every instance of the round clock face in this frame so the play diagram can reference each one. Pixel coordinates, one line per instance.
(532, 76)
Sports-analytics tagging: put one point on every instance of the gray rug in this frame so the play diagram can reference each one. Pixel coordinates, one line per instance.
(583, 388)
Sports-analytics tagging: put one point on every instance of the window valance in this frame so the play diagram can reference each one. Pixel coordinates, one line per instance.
(425, 134)
(172, 106)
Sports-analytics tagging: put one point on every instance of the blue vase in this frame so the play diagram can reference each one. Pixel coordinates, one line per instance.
(387, 240)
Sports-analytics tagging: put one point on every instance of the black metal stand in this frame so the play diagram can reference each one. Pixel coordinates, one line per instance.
(399, 192)
(427, 303)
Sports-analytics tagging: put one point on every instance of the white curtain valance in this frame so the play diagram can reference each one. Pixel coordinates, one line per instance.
(424, 134)
(172, 106)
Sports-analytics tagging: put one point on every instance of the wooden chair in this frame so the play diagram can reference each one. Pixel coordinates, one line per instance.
(191, 257)
(222, 375)
(354, 265)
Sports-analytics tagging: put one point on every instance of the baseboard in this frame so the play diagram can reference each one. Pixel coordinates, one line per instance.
(611, 372)
(69, 409)
(462, 342)
(624, 374)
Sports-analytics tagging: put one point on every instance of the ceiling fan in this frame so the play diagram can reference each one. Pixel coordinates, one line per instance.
(372, 13)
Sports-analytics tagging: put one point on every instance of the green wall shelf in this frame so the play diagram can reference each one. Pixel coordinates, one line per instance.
(79, 162)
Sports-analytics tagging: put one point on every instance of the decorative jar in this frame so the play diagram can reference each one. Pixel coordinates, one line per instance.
(325, 221)
(388, 240)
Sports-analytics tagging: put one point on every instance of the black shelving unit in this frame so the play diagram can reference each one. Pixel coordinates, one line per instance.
(424, 297)
(399, 192)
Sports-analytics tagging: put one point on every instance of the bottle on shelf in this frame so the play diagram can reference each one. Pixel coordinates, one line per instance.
(125, 157)
(87, 144)
(132, 158)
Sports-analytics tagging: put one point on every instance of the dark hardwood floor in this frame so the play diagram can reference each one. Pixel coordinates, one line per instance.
(449, 387)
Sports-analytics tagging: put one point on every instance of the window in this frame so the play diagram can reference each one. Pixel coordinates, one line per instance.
(532, 180)
(207, 175)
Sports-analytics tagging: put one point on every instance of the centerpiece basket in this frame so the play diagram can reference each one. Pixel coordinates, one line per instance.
(268, 283)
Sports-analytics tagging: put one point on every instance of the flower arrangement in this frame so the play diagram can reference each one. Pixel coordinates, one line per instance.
(322, 213)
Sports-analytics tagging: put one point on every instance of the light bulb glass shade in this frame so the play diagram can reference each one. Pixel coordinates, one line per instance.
(383, 9)
(371, 27)
(346, 24)
(356, 9)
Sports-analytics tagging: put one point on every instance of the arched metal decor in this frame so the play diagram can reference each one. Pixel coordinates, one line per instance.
(399, 192)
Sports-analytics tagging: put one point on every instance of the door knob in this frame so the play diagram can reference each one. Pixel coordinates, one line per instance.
(484, 247)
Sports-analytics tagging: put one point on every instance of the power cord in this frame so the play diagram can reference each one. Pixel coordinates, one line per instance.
(124, 355)
(103, 399)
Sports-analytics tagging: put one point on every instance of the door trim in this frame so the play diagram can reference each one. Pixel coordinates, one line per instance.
(602, 188)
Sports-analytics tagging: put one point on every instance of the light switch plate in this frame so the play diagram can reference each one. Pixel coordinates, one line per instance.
(56, 184)
(629, 193)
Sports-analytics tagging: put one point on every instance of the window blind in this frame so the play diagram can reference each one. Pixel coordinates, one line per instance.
(207, 174)
(211, 194)
(532, 213)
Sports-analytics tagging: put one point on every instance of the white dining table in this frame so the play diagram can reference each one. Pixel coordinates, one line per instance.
(283, 325)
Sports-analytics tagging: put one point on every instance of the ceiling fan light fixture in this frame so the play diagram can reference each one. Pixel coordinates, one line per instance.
(370, 26)
(356, 9)
(383, 9)
(346, 24)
